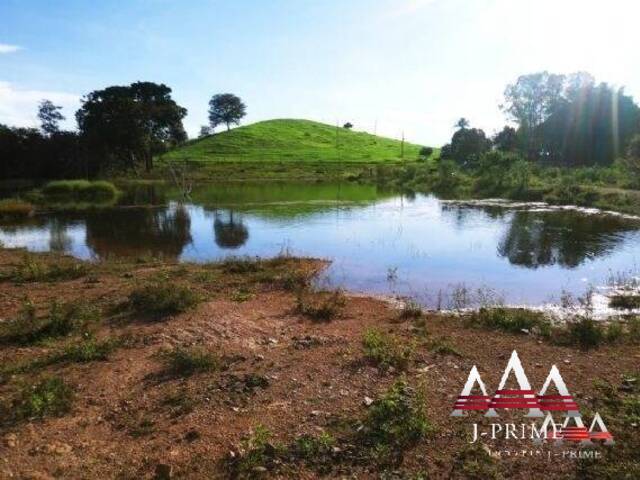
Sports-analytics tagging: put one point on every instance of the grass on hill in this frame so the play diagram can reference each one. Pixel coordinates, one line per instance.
(293, 141)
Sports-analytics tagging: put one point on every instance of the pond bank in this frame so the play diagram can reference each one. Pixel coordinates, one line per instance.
(253, 348)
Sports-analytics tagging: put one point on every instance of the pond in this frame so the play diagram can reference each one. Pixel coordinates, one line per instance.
(379, 241)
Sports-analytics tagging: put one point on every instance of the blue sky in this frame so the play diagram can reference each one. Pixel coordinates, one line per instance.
(403, 65)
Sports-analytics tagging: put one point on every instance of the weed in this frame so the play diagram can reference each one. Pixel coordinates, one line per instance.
(441, 347)
(241, 265)
(80, 189)
(13, 208)
(159, 300)
(241, 295)
(320, 306)
(410, 310)
(386, 351)
(50, 397)
(512, 320)
(88, 350)
(188, 361)
(258, 455)
(312, 448)
(32, 270)
(625, 302)
(585, 332)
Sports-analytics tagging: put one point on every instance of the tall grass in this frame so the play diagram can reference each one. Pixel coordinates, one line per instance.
(13, 208)
(81, 189)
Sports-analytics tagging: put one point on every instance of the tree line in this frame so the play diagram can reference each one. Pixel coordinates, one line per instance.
(562, 120)
(120, 128)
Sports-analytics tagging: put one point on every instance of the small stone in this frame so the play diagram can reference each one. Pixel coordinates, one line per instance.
(272, 341)
(163, 472)
(259, 469)
(316, 413)
(525, 331)
(567, 361)
(10, 440)
(368, 401)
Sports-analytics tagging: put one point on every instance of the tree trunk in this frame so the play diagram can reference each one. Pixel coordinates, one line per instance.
(148, 162)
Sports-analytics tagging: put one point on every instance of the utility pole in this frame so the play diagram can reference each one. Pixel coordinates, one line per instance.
(337, 131)
(402, 146)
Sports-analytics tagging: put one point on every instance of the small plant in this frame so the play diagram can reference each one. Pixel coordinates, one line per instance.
(88, 350)
(258, 455)
(241, 265)
(410, 310)
(441, 347)
(188, 361)
(241, 295)
(311, 448)
(80, 190)
(49, 397)
(395, 422)
(386, 351)
(586, 333)
(32, 270)
(160, 299)
(320, 306)
(625, 302)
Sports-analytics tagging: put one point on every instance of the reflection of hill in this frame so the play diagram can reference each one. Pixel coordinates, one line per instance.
(138, 231)
(284, 200)
(535, 239)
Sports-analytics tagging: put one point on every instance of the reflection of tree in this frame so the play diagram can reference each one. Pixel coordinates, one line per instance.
(59, 240)
(231, 233)
(535, 239)
(139, 231)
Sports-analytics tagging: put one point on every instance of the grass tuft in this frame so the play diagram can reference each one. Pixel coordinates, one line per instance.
(81, 189)
(50, 397)
(320, 306)
(14, 209)
(188, 361)
(160, 300)
(385, 350)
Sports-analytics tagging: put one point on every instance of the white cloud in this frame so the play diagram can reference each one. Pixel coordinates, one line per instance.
(18, 107)
(6, 48)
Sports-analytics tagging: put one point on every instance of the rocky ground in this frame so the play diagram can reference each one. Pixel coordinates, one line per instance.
(274, 380)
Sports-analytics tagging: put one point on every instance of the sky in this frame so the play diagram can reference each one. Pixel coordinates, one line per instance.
(389, 66)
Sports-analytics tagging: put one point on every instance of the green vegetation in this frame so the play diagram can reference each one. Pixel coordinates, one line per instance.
(80, 190)
(320, 306)
(32, 269)
(88, 350)
(293, 141)
(188, 361)
(14, 209)
(50, 397)
(61, 319)
(512, 320)
(386, 351)
(625, 302)
(159, 300)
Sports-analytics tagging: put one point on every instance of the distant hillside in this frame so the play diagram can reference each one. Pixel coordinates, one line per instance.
(293, 140)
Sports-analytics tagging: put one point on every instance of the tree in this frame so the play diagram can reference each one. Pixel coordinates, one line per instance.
(426, 152)
(466, 147)
(49, 116)
(125, 125)
(506, 140)
(348, 125)
(632, 159)
(530, 101)
(226, 108)
(205, 131)
(462, 123)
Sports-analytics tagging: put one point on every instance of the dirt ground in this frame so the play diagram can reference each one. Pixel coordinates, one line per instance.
(282, 370)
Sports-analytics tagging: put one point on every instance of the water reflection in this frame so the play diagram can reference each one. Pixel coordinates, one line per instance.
(230, 233)
(535, 239)
(139, 231)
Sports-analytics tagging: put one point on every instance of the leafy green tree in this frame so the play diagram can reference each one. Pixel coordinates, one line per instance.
(348, 126)
(466, 147)
(426, 152)
(50, 117)
(226, 108)
(125, 125)
(632, 159)
(506, 140)
(462, 123)
(205, 131)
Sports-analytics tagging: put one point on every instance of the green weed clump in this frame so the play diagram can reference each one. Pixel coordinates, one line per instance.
(410, 310)
(50, 397)
(188, 361)
(81, 190)
(320, 306)
(88, 350)
(14, 209)
(385, 350)
(395, 422)
(160, 300)
(61, 320)
(30, 269)
(585, 333)
(258, 455)
(625, 302)
(512, 320)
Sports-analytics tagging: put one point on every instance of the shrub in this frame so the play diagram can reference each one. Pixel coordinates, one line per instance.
(513, 320)
(320, 306)
(586, 333)
(49, 397)
(81, 189)
(386, 351)
(62, 319)
(241, 265)
(161, 300)
(31, 269)
(88, 350)
(258, 454)
(188, 361)
(12, 209)
(410, 310)
(625, 302)
(394, 422)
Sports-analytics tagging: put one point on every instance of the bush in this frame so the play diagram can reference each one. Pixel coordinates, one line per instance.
(32, 270)
(586, 333)
(50, 397)
(81, 189)
(386, 351)
(395, 421)
(513, 320)
(12, 209)
(62, 319)
(88, 350)
(320, 306)
(161, 300)
(625, 302)
(187, 361)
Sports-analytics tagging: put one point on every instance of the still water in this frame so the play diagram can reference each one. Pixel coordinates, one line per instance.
(378, 241)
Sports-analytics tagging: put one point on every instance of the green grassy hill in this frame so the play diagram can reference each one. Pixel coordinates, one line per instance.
(293, 141)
